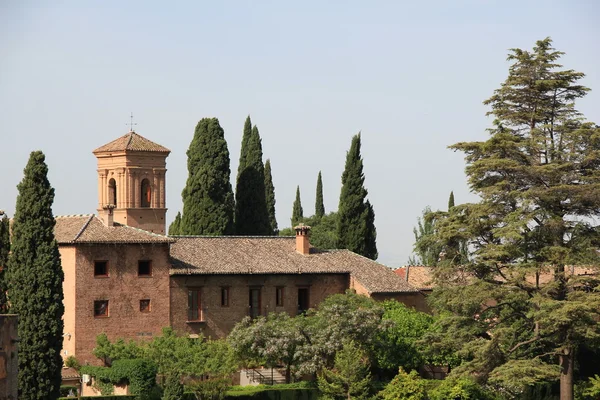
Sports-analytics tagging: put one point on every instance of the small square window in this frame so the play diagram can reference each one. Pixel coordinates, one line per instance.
(279, 296)
(100, 308)
(145, 305)
(100, 268)
(225, 297)
(144, 268)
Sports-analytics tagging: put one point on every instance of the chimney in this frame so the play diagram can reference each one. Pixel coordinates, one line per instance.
(108, 216)
(302, 242)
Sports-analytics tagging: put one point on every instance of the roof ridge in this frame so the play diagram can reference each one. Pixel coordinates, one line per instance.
(73, 215)
(83, 227)
(130, 138)
(143, 231)
(228, 236)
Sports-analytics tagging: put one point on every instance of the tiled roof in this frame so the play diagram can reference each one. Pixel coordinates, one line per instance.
(277, 255)
(132, 142)
(90, 229)
(421, 276)
(69, 373)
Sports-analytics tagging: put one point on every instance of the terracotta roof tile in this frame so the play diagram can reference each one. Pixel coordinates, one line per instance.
(269, 255)
(69, 373)
(419, 276)
(90, 229)
(132, 142)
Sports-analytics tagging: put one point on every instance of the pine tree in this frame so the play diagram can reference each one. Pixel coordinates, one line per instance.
(537, 177)
(451, 200)
(270, 198)
(319, 206)
(208, 202)
(371, 233)
(251, 214)
(4, 252)
(35, 278)
(297, 213)
(175, 226)
(352, 210)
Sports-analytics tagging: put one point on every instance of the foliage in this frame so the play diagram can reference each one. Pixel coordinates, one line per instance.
(354, 232)
(370, 233)
(208, 202)
(35, 289)
(119, 350)
(175, 227)
(319, 206)
(396, 344)
(537, 177)
(426, 253)
(68, 390)
(593, 389)
(323, 230)
(460, 389)
(173, 389)
(139, 374)
(71, 362)
(405, 386)
(350, 378)
(210, 389)
(4, 252)
(270, 198)
(251, 213)
(109, 397)
(451, 201)
(297, 213)
(273, 340)
(278, 392)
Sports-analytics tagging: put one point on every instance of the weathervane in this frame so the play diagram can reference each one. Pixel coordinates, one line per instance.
(131, 124)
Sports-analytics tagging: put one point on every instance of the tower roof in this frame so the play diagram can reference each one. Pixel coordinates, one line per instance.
(132, 142)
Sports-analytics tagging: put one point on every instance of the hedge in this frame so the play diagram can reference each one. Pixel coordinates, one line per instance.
(115, 397)
(268, 394)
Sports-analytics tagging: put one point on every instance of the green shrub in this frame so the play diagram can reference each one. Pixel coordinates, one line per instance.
(460, 389)
(139, 374)
(405, 386)
(65, 390)
(112, 397)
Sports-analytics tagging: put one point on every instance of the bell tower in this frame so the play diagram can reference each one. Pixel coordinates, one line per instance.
(131, 183)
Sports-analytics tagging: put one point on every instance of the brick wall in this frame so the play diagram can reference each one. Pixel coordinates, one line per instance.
(124, 289)
(219, 320)
(67, 259)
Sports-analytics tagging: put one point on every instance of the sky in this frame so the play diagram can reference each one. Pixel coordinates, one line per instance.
(410, 76)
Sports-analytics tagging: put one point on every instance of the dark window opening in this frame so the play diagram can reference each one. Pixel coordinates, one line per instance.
(224, 297)
(194, 305)
(146, 193)
(112, 192)
(100, 308)
(145, 305)
(279, 296)
(254, 302)
(144, 268)
(100, 268)
(303, 300)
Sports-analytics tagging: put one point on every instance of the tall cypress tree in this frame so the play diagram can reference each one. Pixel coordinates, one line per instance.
(371, 233)
(245, 137)
(319, 206)
(270, 198)
(251, 214)
(4, 251)
(451, 200)
(297, 213)
(35, 278)
(352, 209)
(175, 227)
(208, 202)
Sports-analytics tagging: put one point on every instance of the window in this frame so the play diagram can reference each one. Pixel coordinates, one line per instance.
(145, 305)
(194, 305)
(100, 308)
(303, 300)
(254, 302)
(101, 268)
(144, 268)
(279, 296)
(112, 192)
(225, 297)
(146, 193)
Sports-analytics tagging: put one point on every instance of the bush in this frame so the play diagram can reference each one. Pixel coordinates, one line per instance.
(460, 389)
(139, 374)
(66, 390)
(121, 397)
(405, 386)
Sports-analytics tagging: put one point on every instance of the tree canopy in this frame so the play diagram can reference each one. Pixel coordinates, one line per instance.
(319, 206)
(297, 212)
(525, 311)
(208, 202)
(35, 284)
(270, 198)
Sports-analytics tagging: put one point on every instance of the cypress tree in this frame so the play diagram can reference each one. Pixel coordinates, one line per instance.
(451, 200)
(175, 226)
(35, 278)
(297, 213)
(352, 209)
(4, 251)
(319, 206)
(371, 233)
(270, 198)
(208, 202)
(251, 214)
(245, 137)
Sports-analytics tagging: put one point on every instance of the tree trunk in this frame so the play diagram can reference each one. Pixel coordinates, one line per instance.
(566, 374)
(288, 373)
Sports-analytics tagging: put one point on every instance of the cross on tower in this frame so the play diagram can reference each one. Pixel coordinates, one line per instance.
(131, 124)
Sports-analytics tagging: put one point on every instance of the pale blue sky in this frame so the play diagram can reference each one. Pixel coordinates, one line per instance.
(410, 75)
